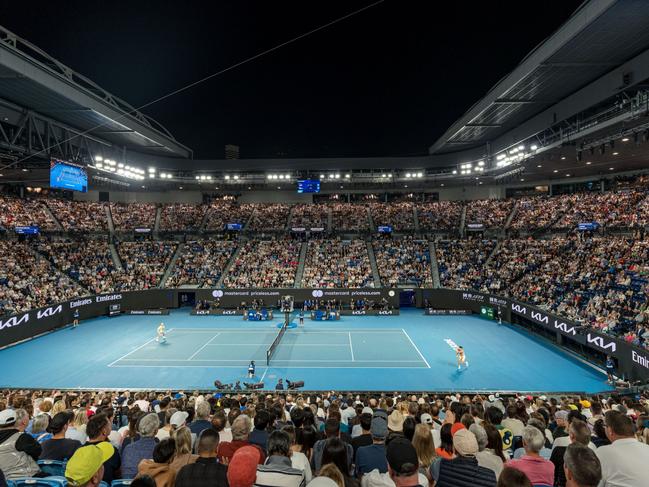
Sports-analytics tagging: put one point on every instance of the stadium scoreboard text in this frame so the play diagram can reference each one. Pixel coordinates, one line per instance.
(308, 186)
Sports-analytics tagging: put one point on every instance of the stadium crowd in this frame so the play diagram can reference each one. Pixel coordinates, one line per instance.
(182, 216)
(87, 261)
(403, 261)
(270, 217)
(399, 215)
(349, 217)
(611, 209)
(337, 263)
(538, 212)
(79, 216)
(491, 213)
(27, 280)
(24, 212)
(128, 216)
(279, 439)
(264, 263)
(310, 216)
(201, 263)
(220, 213)
(144, 264)
(461, 262)
(439, 215)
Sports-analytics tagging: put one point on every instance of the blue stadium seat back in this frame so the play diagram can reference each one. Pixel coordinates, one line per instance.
(121, 482)
(55, 481)
(53, 467)
(103, 484)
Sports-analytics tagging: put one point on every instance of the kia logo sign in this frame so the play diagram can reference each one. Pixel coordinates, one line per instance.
(217, 293)
(317, 293)
(599, 341)
(42, 313)
(391, 293)
(14, 321)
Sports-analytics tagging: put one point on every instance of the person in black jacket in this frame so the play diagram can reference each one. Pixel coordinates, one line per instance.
(206, 471)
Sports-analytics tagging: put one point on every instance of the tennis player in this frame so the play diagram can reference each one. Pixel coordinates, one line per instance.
(75, 315)
(461, 358)
(301, 316)
(251, 369)
(161, 337)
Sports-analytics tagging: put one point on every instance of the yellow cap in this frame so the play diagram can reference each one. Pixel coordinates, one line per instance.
(573, 407)
(86, 461)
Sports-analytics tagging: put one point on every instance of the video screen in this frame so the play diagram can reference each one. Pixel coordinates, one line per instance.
(385, 229)
(27, 229)
(308, 186)
(65, 175)
(234, 226)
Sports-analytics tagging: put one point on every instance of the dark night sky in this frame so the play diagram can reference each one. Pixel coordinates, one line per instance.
(387, 81)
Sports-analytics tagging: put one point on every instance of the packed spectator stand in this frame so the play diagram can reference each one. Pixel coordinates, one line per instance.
(289, 438)
(337, 263)
(201, 263)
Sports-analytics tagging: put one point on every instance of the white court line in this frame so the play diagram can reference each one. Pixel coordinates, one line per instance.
(135, 349)
(208, 342)
(275, 359)
(413, 344)
(264, 375)
(294, 331)
(276, 366)
(284, 342)
(351, 348)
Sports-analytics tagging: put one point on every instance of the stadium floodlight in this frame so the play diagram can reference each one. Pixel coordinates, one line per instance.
(151, 175)
(480, 163)
(269, 176)
(407, 174)
(120, 165)
(99, 165)
(288, 176)
(625, 139)
(331, 176)
(198, 177)
(389, 174)
(347, 176)
(337, 176)
(98, 158)
(454, 171)
(521, 147)
(152, 169)
(236, 176)
(420, 174)
(534, 147)
(322, 176)
(281, 176)
(209, 178)
(616, 153)
(227, 176)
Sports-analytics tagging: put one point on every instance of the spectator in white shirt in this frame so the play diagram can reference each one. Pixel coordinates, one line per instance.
(625, 463)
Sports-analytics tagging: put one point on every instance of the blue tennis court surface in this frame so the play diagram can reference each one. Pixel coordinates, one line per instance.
(409, 351)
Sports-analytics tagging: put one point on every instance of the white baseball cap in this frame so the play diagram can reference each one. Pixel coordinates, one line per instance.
(179, 418)
(7, 416)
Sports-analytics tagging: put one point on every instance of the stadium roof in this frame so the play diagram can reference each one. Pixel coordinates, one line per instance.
(29, 77)
(599, 37)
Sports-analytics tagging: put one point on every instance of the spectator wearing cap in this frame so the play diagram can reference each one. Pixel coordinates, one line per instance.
(538, 469)
(86, 467)
(242, 470)
(365, 436)
(19, 451)
(206, 471)
(135, 452)
(278, 471)
(395, 424)
(490, 447)
(372, 456)
(581, 466)
(159, 467)
(403, 464)
(463, 470)
(202, 421)
(98, 429)
(332, 430)
(625, 461)
(166, 429)
(240, 432)
(59, 447)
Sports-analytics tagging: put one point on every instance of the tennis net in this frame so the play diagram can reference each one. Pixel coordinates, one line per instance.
(273, 346)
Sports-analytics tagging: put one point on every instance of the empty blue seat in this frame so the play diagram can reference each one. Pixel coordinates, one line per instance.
(55, 481)
(52, 467)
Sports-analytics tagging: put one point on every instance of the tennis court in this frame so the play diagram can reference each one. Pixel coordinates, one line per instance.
(302, 348)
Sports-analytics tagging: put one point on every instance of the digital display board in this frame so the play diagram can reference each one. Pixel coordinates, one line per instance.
(587, 226)
(385, 229)
(308, 186)
(234, 226)
(27, 230)
(65, 175)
